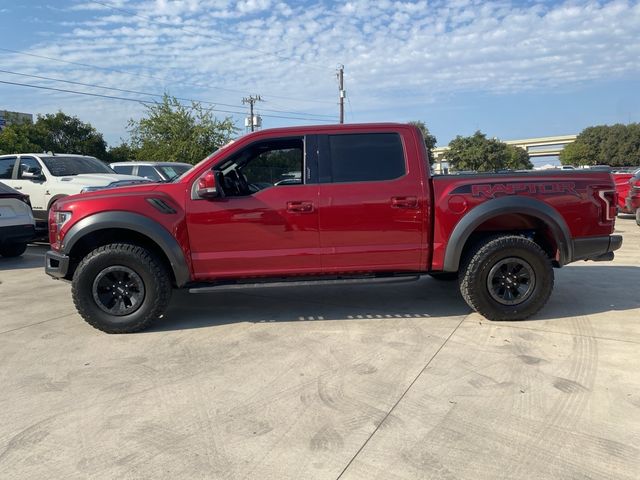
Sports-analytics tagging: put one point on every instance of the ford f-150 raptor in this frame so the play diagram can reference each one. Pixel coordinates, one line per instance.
(364, 207)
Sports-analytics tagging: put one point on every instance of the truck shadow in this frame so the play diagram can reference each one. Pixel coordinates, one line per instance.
(32, 258)
(418, 299)
(579, 290)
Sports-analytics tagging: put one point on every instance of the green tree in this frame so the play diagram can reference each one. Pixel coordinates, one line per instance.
(429, 139)
(483, 154)
(616, 145)
(518, 158)
(122, 153)
(58, 132)
(577, 153)
(172, 132)
(16, 139)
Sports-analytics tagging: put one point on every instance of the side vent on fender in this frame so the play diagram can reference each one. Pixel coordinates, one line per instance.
(161, 205)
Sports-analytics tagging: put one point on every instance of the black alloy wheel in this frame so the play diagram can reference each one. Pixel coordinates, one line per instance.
(118, 290)
(511, 281)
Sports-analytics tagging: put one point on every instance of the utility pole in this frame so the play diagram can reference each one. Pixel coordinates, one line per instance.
(341, 92)
(251, 100)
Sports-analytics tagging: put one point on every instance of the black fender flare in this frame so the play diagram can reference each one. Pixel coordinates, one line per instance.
(500, 206)
(138, 223)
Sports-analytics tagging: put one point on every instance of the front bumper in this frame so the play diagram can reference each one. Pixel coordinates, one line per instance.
(56, 264)
(598, 249)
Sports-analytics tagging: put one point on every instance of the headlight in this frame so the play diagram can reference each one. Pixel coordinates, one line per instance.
(57, 218)
(91, 189)
(60, 218)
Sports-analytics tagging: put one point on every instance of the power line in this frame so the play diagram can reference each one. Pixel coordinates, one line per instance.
(209, 35)
(137, 92)
(153, 77)
(137, 100)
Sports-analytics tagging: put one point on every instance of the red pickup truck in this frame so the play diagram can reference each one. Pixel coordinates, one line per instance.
(343, 203)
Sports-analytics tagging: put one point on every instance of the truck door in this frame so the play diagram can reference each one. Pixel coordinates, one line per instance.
(31, 181)
(372, 203)
(267, 222)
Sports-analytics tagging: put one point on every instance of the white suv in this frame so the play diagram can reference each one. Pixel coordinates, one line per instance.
(48, 177)
(17, 226)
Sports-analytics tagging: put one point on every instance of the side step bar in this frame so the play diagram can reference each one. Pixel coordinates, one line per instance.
(221, 287)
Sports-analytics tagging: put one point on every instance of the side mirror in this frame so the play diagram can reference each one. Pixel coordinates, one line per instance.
(208, 187)
(32, 174)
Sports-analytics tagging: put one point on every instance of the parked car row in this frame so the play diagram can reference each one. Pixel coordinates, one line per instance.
(628, 189)
(49, 177)
(31, 183)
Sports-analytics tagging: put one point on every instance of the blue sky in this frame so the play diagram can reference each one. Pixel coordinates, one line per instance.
(509, 69)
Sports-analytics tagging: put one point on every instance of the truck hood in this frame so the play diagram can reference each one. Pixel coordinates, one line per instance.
(96, 179)
(106, 194)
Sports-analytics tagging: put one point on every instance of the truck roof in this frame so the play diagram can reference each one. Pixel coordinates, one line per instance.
(337, 126)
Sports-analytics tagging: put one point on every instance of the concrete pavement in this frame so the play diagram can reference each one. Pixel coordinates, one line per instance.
(359, 382)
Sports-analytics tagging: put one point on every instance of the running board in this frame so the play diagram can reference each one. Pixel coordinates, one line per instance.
(302, 283)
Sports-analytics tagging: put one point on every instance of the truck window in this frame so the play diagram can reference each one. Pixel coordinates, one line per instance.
(65, 166)
(6, 167)
(123, 169)
(28, 164)
(265, 164)
(367, 157)
(149, 172)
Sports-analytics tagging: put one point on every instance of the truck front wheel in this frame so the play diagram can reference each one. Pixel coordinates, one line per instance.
(121, 288)
(506, 278)
(638, 216)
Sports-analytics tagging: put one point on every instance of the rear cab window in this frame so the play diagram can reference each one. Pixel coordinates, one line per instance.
(6, 167)
(363, 157)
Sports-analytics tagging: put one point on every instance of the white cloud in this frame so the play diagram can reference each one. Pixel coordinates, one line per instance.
(396, 53)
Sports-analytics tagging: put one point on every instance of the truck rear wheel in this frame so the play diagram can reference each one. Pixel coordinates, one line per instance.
(506, 278)
(121, 288)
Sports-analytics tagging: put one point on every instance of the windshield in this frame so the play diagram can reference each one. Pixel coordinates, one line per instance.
(213, 155)
(65, 166)
(173, 171)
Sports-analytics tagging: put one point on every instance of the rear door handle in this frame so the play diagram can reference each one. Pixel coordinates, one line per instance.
(17, 188)
(404, 202)
(300, 207)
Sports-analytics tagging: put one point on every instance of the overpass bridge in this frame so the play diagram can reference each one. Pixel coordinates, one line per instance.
(535, 147)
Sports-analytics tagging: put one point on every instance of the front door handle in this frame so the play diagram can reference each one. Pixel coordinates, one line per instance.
(300, 207)
(17, 188)
(404, 202)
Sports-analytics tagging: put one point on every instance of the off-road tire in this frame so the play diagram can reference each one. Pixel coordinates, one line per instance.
(638, 216)
(444, 276)
(150, 270)
(13, 249)
(486, 255)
